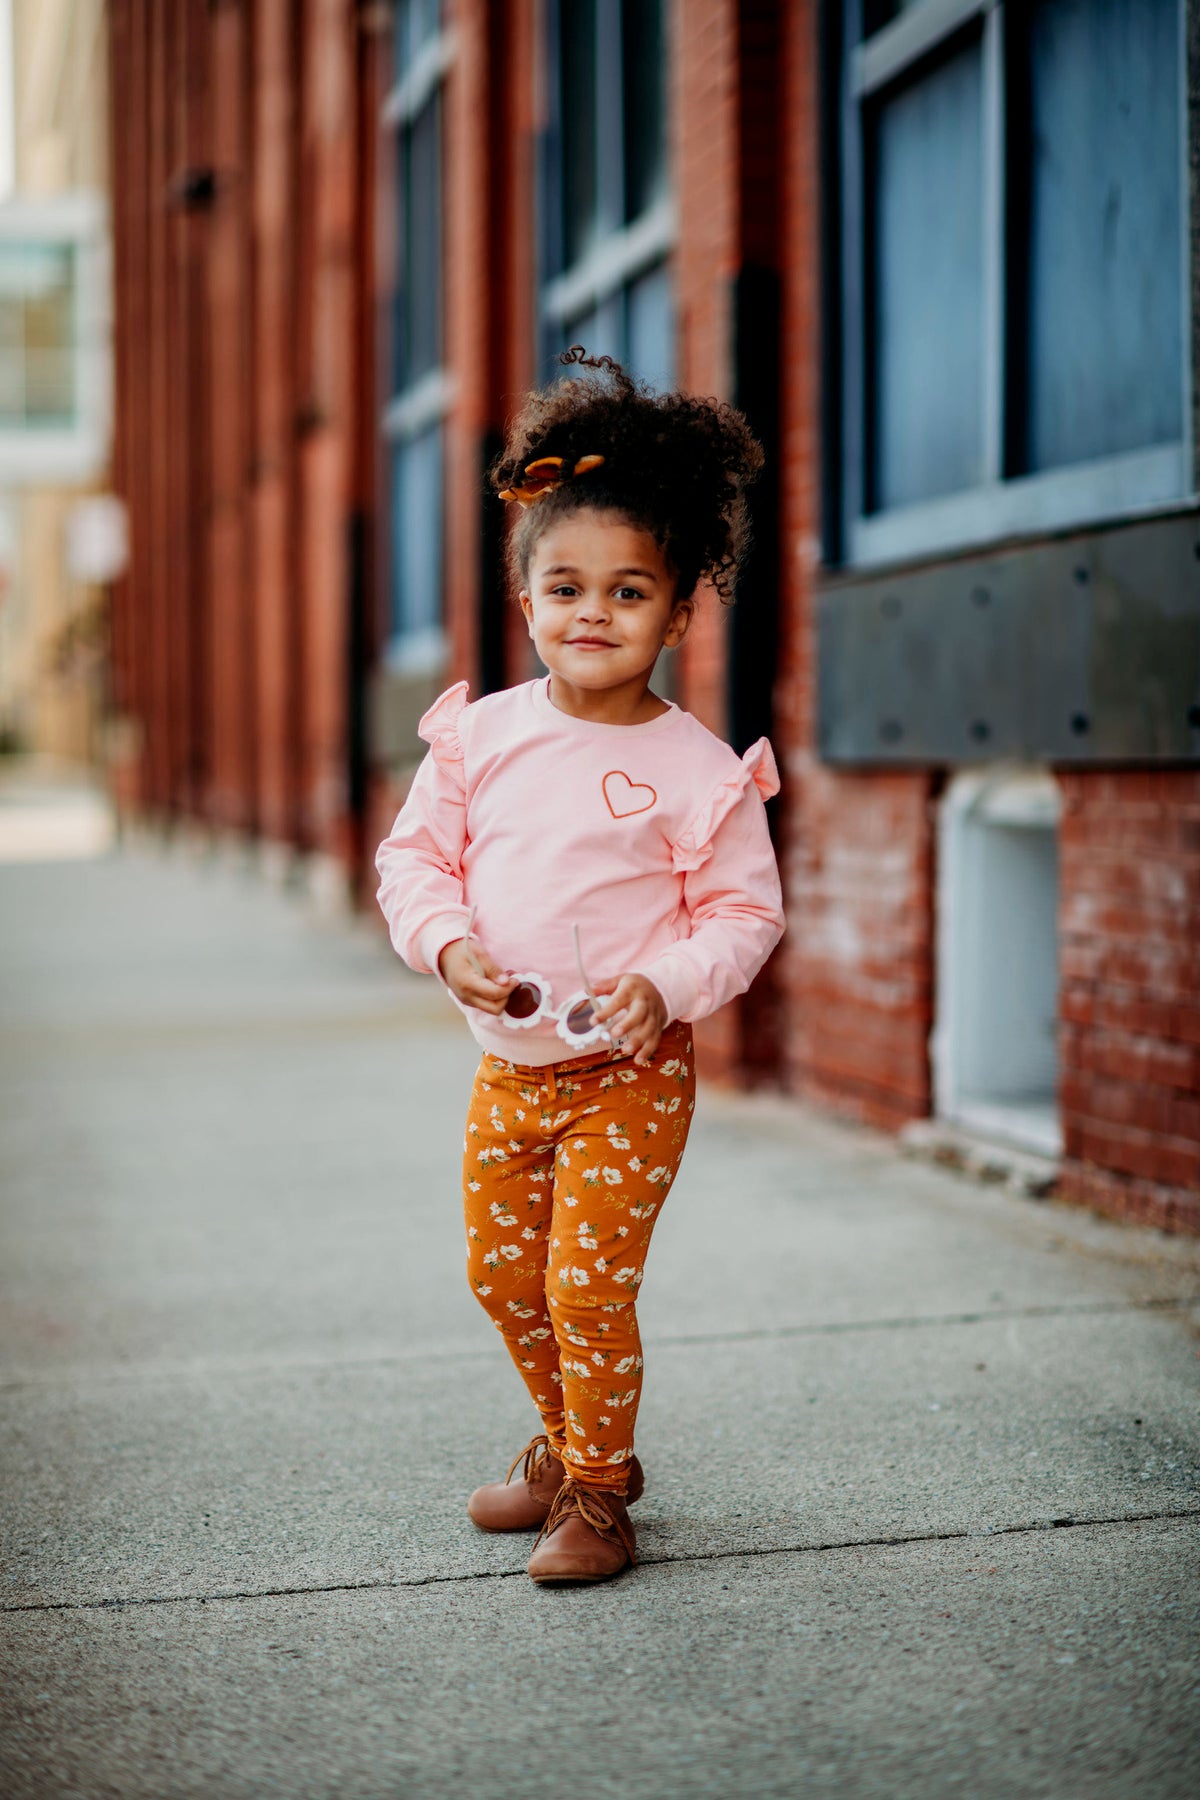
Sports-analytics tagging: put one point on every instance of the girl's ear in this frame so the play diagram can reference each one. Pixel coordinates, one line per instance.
(681, 618)
(527, 609)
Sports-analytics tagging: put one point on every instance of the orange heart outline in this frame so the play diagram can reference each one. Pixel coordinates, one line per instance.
(635, 787)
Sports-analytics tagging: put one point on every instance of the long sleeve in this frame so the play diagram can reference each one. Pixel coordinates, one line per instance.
(732, 892)
(420, 861)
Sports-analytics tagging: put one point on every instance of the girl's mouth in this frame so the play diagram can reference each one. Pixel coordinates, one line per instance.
(590, 644)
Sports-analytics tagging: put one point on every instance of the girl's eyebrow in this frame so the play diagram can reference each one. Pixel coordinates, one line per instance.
(570, 569)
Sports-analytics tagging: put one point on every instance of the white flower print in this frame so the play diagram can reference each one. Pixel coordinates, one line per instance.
(496, 1118)
(473, 1185)
(628, 1075)
(592, 1450)
(635, 1163)
(629, 1398)
(612, 1176)
(628, 1277)
(675, 1103)
(522, 1312)
(591, 1177)
(659, 1105)
(622, 1231)
(580, 1277)
(599, 1358)
(586, 1242)
(621, 1455)
(652, 1126)
(527, 1365)
(669, 1068)
(660, 1176)
(572, 1339)
(616, 1139)
(528, 1232)
(472, 1233)
(592, 1109)
(488, 1157)
(481, 1287)
(600, 1265)
(540, 1175)
(501, 1214)
(512, 1251)
(579, 1144)
(623, 1367)
(645, 1211)
(604, 1420)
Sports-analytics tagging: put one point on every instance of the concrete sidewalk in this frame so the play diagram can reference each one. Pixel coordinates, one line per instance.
(922, 1500)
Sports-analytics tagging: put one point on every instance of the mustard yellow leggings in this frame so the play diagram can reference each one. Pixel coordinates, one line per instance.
(565, 1170)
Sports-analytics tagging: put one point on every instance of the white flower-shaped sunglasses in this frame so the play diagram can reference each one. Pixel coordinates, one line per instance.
(531, 1001)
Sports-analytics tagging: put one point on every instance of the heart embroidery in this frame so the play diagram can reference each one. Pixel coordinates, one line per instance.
(624, 797)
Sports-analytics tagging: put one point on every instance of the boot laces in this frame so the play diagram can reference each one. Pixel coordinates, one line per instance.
(534, 1456)
(596, 1507)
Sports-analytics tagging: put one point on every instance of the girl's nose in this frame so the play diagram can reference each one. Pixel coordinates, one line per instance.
(593, 607)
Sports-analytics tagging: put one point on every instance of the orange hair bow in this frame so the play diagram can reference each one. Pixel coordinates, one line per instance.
(544, 473)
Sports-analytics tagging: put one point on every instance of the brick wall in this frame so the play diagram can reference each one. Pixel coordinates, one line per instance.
(1130, 996)
(240, 264)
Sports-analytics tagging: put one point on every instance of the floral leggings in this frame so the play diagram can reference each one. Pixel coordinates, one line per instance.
(565, 1169)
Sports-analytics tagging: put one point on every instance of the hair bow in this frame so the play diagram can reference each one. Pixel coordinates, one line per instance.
(544, 473)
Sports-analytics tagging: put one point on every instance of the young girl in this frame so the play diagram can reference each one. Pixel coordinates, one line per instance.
(588, 869)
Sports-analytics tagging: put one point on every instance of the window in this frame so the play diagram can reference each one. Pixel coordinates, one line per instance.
(608, 223)
(1012, 269)
(54, 349)
(420, 390)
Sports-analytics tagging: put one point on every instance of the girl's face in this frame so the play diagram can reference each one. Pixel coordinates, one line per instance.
(600, 602)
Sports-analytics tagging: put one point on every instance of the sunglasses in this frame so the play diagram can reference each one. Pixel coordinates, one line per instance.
(531, 1001)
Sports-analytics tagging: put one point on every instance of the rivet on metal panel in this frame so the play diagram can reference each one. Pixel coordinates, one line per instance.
(1081, 575)
(981, 596)
(980, 730)
(891, 731)
(1193, 717)
(1080, 723)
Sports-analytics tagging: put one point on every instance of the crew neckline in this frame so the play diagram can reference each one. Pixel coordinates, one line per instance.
(539, 691)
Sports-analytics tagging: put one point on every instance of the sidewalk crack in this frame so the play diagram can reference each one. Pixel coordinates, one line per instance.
(896, 1540)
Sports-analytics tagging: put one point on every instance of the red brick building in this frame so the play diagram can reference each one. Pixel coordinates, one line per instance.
(944, 253)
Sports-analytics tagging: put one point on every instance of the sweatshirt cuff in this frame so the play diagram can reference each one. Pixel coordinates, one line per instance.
(675, 982)
(432, 938)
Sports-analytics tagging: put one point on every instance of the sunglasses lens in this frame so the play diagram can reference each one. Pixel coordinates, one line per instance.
(524, 1001)
(581, 1018)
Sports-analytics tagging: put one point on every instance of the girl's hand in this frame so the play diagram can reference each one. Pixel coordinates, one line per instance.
(460, 966)
(635, 1012)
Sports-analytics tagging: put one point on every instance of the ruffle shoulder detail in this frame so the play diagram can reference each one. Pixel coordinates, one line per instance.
(695, 845)
(439, 728)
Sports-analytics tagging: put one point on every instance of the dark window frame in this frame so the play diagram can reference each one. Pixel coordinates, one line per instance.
(1002, 506)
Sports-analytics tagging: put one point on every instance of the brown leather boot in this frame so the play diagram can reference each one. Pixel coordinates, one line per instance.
(588, 1536)
(524, 1505)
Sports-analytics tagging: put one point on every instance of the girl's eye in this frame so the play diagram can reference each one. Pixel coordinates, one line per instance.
(628, 593)
(565, 592)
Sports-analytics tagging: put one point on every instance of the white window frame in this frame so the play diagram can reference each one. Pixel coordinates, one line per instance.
(36, 455)
(427, 401)
(1083, 494)
(613, 261)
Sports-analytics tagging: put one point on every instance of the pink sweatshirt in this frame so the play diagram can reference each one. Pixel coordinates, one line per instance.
(651, 838)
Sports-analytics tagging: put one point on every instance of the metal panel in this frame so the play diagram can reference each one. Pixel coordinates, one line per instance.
(1083, 650)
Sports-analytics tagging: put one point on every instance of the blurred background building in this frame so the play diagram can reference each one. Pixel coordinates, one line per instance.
(55, 378)
(945, 254)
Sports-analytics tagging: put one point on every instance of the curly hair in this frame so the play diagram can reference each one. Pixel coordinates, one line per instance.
(675, 465)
